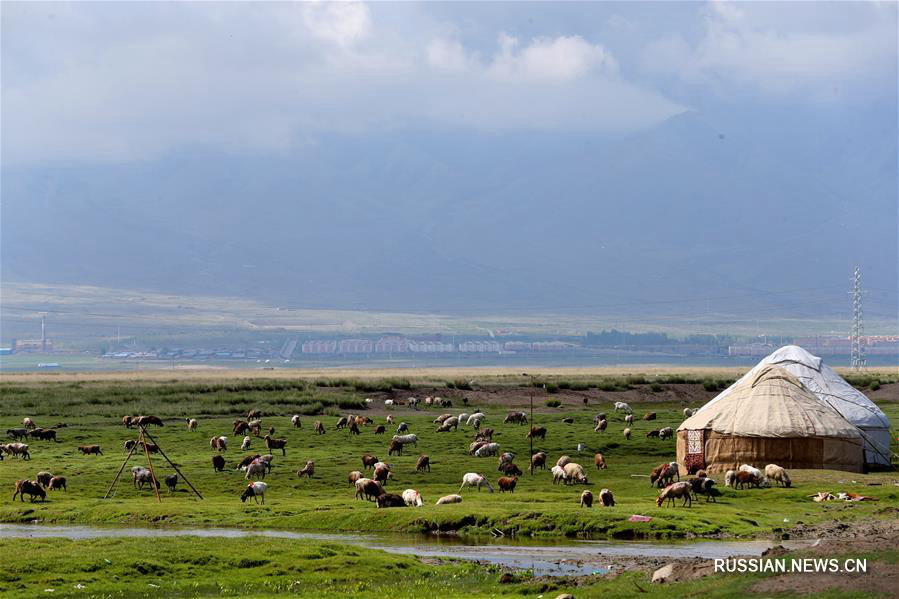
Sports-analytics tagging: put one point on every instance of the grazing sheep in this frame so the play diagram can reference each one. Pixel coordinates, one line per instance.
(704, 486)
(130, 443)
(598, 417)
(600, 461)
(30, 488)
(507, 483)
(627, 434)
(558, 473)
(354, 476)
(509, 469)
(674, 491)
(319, 427)
(142, 476)
(575, 473)
(752, 470)
(44, 434)
(255, 427)
(406, 439)
(56, 483)
(413, 403)
(450, 423)
(586, 499)
(568, 420)
(778, 474)
(506, 456)
(218, 463)
(28, 423)
(562, 461)
(386, 500)
(256, 468)
(473, 479)
(475, 419)
(308, 470)
(17, 433)
(628, 418)
(219, 443)
(446, 403)
(148, 420)
(271, 444)
(247, 441)
(354, 428)
(43, 478)
(239, 427)
(382, 474)
(192, 424)
(666, 433)
(87, 449)
(295, 421)
(662, 474)
(17, 450)
(402, 428)
(601, 426)
(389, 419)
(422, 463)
(395, 447)
(688, 412)
(620, 405)
(412, 498)
(170, 481)
(538, 460)
(127, 421)
(380, 429)
(341, 423)
(519, 418)
(652, 434)
(247, 460)
(442, 418)
(744, 477)
(255, 490)
(490, 449)
(369, 461)
(537, 431)
(649, 416)
(368, 489)
(606, 498)
(449, 499)
(729, 477)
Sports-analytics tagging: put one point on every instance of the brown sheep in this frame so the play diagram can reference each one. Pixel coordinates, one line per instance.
(308, 470)
(746, 478)
(127, 421)
(30, 488)
(507, 483)
(537, 431)
(385, 500)
(370, 489)
(382, 474)
(586, 499)
(57, 482)
(601, 426)
(318, 427)
(422, 463)
(254, 414)
(395, 447)
(354, 428)
(600, 461)
(484, 435)
(240, 427)
(369, 461)
(271, 444)
(538, 460)
(90, 449)
(148, 420)
(509, 469)
(342, 422)
(650, 416)
(353, 477)
(673, 491)
(218, 463)
(43, 478)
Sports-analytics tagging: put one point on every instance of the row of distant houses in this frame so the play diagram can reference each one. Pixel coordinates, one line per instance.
(874, 345)
(399, 345)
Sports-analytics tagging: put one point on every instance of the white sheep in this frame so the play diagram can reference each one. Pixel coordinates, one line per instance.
(777, 473)
(246, 443)
(627, 434)
(489, 449)
(476, 419)
(388, 403)
(295, 421)
(192, 424)
(449, 499)
(759, 475)
(620, 405)
(629, 418)
(575, 473)
(729, 477)
(389, 418)
(473, 479)
(406, 439)
(257, 468)
(463, 417)
(412, 498)
(558, 474)
(255, 490)
(666, 433)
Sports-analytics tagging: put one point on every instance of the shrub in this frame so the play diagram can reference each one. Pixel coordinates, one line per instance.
(553, 403)
(656, 387)
(552, 388)
(710, 385)
(875, 385)
(564, 385)
(462, 385)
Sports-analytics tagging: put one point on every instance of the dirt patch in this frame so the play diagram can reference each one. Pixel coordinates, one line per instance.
(869, 534)
(880, 580)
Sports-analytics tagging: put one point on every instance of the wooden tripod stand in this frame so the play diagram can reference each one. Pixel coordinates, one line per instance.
(142, 442)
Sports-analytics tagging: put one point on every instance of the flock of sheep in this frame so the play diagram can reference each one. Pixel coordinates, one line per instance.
(372, 487)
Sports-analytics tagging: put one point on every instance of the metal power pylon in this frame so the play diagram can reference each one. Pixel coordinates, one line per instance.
(857, 345)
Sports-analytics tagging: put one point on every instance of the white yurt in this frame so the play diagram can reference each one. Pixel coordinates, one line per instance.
(830, 388)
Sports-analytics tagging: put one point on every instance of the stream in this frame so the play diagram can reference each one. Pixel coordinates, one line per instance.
(546, 557)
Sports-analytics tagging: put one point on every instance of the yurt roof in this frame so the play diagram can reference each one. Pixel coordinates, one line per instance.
(772, 403)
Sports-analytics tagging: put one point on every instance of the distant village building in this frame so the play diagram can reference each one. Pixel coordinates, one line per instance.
(355, 346)
(430, 347)
(392, 344)
(479, 347)
(319, 346)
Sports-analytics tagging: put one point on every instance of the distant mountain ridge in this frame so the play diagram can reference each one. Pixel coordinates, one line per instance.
(698, 213)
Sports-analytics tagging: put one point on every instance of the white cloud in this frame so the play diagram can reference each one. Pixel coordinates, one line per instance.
(564, 58)
(343, 23)
(448, 55)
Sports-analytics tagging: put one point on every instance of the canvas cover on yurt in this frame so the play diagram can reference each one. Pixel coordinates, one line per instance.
(830, 388)
(769, 419)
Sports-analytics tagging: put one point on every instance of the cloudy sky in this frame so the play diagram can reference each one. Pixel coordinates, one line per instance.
(112, 82)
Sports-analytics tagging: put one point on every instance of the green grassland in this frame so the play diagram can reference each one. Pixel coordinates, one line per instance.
(253, 567)
(537, 508)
